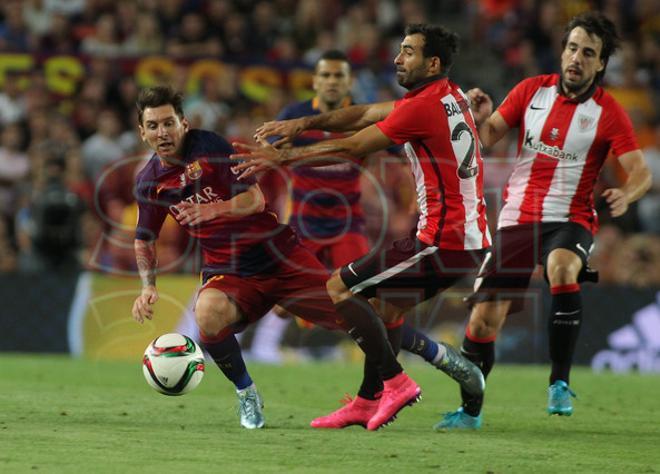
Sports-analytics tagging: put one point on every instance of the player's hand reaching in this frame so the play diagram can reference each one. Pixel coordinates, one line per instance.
(481, 105)
(256, 158)
(142, 307)
(617, 200)
(194, 214)
(287, 130)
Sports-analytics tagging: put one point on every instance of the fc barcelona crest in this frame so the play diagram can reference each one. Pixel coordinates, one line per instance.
(585, 122)
(193, 171)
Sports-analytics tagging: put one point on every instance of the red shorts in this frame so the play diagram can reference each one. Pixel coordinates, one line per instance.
(297, 285)
(339, 251)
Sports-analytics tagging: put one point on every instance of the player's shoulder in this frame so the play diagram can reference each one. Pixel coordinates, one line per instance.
(296, 109)
(536, 82)
(148, 171)
(147, 176)
(206, 143)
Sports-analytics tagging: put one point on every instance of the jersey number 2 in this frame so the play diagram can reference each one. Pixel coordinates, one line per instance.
(467, 169)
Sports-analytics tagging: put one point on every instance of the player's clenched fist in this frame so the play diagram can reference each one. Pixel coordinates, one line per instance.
(142, 307)
(480, 103)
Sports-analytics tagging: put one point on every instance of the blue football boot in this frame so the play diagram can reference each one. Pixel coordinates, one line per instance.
(458, 420)
(559, 399)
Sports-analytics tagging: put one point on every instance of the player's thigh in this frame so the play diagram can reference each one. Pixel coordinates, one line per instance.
(301, 289)
(507, 268)
(566, 249)
(233, 301)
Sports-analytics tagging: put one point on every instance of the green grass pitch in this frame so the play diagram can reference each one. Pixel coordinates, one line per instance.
(68, 416)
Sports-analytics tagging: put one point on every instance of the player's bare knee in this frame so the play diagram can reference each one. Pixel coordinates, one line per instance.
(214, 312)
(337, 291)
(563, 267)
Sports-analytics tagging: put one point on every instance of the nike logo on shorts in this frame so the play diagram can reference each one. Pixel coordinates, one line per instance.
(350, 267)
(536, 108)
(581, 249)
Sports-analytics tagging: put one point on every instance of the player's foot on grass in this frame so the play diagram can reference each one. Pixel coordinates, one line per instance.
(462, 370)
(559, 399)
(356, 411)
(250, 408)
(458, 420)
(398, 392)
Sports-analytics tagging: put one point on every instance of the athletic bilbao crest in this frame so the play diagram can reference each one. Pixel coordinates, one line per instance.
(193, 171)
(585, 122)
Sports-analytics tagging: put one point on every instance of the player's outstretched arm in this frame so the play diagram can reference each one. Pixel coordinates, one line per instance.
(355, 117)
(638, 182)
(265, 156)
(145, 256)
(244, 204)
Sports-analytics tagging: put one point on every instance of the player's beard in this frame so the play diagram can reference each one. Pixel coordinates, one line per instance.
(576, 87)
(411, 78)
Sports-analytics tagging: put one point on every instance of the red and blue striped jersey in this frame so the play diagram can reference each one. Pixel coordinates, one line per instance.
(325, 200)
(230, 245)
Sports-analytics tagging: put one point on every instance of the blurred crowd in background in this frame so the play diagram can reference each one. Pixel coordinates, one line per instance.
(69, 148)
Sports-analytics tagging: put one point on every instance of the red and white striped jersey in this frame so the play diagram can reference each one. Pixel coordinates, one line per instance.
(562, 145)
(436, 124)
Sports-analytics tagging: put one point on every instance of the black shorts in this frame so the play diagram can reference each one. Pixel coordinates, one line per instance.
(409, 272)
(508, 266)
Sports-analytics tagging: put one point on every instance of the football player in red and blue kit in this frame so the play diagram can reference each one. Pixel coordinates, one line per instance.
(251, 262)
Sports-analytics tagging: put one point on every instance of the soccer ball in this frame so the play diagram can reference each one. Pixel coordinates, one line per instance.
(173, 364)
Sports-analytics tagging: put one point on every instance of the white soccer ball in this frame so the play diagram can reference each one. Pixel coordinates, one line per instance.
(173, 364)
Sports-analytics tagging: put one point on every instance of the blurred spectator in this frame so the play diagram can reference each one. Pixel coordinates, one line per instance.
(37, 18)
(192, 39)
(65, 7)
(206, 108)
(104, 41)
(146, 39)
(14, 166)
(14, 33)
(107, 145)
(648, 207)
(59, 39)
(49, 225)
(12, 101)
(638, 261)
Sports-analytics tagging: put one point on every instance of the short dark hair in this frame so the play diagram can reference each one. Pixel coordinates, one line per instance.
(438, 41)
(595, 23)
(156, 96)
(332, 55)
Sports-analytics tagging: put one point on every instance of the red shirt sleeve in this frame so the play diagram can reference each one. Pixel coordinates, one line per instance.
(411, 119)
(619, 129)
(514, 104)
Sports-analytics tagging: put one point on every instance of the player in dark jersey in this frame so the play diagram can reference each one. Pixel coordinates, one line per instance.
(250, 261)
(325, 203)
(434, 122)
(568, 125)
